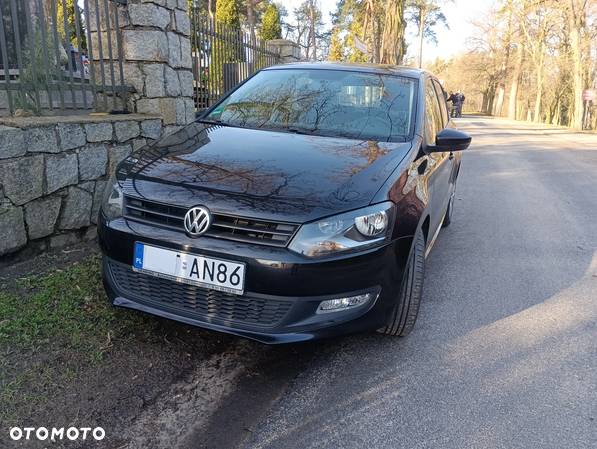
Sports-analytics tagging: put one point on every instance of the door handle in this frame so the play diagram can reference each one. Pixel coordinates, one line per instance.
(451, 156)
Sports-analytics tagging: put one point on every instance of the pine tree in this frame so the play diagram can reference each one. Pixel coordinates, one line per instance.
(270, 23)
(336, 47)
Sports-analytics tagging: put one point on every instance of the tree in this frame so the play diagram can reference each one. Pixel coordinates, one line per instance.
(545, 51)
(347, 23)
(336, 47)
(271, 27)
(537, 28)
(73, 22)
(575, 11)
(227, 13)
(426, 14)
(392, 42)
(379, 24)
(498, 104)
(529, 59)
(251, 6)
(308, 30)
(516, 72)
(515, 40)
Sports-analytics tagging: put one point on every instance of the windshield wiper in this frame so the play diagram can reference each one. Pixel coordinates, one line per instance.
(304, 131)
(214, 122)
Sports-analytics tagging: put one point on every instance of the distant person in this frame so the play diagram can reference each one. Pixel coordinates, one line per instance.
(458, 101)
(84, 64)
(450, 99)
(73, 57)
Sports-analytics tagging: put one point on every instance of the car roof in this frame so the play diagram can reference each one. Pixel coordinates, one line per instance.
(387, 69)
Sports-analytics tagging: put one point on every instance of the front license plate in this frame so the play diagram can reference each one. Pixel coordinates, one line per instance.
(188, 268)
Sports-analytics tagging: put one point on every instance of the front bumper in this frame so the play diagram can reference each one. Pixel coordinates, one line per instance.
(282, 289)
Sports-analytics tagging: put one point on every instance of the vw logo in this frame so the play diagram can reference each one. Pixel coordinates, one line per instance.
(197, 221)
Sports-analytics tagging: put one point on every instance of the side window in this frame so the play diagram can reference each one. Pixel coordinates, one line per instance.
(433, 117)
(443, 105)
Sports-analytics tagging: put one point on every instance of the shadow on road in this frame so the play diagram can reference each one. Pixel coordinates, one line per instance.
(502, 355)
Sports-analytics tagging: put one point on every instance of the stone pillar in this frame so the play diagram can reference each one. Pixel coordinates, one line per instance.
(156, 46)
(289, 51)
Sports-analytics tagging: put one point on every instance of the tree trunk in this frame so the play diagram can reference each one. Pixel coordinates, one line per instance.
(376, 41)
(490, 98)
(577, 79)
(537, 114)
(392, 40)
(548, 115)
(539, 78)
(422, 19)
(556, 117)
(498, 104)
(512, 101)
(575, 24)
(251, 20)
(499, 101)
(484, 101)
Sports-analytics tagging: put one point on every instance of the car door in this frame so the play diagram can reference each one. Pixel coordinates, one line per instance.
(441, 162)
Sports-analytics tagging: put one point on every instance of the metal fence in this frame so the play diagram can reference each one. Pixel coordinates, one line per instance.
(223, 57)
(59, 55)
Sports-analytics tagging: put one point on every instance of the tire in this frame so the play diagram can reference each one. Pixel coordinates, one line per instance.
(404, 314)
(449, 210)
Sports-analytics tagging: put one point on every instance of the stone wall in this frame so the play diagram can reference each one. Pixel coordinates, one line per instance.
(53, 172)
(156, 43)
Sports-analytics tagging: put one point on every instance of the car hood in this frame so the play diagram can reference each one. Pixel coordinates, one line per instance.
(262, 174)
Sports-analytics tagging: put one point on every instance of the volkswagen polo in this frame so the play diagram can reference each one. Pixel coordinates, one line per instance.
(301, 206)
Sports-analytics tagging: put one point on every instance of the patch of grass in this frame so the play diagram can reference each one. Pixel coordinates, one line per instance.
(54, 326)
(68, 306)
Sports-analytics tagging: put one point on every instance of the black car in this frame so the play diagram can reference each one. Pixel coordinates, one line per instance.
(300, 206)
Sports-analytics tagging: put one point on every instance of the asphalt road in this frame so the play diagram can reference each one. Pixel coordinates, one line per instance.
(504, 353)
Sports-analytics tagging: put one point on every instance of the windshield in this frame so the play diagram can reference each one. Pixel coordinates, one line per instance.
(323, 102)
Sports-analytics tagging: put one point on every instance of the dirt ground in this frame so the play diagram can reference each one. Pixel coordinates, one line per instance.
(148, 382)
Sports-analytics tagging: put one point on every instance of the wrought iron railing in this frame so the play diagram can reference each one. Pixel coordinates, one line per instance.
(223, 56)
(61, 56)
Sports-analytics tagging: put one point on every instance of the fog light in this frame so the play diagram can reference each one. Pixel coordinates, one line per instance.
(335, 305)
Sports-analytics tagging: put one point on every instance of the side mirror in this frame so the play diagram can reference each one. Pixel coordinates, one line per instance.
(449, 139)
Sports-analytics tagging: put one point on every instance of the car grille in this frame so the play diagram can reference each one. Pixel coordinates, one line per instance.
(223, 226)
(196, 302)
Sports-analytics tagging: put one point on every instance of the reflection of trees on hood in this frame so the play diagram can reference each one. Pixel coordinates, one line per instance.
(166, 159)
(247, 181)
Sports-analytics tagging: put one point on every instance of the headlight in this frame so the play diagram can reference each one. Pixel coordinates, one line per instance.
(112, 203)
(372, 224)
(350, 231)
(113, 197)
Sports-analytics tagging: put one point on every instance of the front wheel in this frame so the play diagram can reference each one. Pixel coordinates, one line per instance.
(404, 314)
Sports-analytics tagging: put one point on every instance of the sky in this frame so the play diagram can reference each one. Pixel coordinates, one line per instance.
(459, 13)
